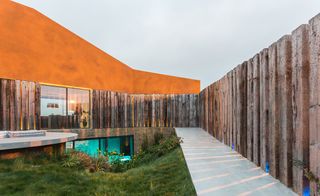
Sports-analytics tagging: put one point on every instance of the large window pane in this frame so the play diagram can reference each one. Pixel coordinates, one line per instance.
(90, 147)
(53, 107)
(78, 108)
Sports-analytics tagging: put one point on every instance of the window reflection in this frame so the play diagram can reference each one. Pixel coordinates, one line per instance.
(53, 107)
(78, 108)
(64, 108)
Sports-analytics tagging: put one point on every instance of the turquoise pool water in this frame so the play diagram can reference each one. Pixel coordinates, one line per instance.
(119, 145)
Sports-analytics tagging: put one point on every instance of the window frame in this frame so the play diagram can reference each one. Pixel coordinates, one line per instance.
(67, 106)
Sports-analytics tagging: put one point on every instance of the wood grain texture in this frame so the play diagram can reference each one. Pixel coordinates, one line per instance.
(314, 107)
(285, 106)
(300, 104)
(264, 108)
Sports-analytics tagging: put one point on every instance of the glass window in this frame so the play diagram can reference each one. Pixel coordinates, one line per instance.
(121, 145)
(64, 108)
(78, 108)
(69, 146)
(107, 146)
(53, 107)
(114, 145)
(90, 147)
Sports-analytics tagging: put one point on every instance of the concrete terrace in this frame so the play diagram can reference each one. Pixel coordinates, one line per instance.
(50, 138)
(218, 170)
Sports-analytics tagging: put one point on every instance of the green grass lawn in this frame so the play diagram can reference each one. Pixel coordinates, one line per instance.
(167, 175)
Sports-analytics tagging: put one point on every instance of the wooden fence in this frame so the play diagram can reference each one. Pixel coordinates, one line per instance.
(112, 110)
(19, 105)
(20, 108)
(268, 108)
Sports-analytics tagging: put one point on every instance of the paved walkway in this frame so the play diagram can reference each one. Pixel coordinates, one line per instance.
(217, 170)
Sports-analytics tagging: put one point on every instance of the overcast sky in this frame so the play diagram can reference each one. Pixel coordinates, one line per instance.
(200, 39)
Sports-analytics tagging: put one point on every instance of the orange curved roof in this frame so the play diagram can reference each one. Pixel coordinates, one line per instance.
(35, 48)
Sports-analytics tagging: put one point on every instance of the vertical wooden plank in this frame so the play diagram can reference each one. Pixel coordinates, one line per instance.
(24, 105)
(122, 113)
(101, 109)
(150, 113)
(238, 108)
(274, 115)
(109, 110)
(138, 111)
(300, 105)
(226, 139)
(210, 110)
(117, 107)
(250, 110)
(213, 99)
(105, 109)
(145, 116)
(225, 103)
(128, 106)
(243, 108)
(165, 111)
(229, 134)
(230, 109)
(285, 95)
(37, 101)
(172, 111)
(132, 110)
(113, 109)
(153, 111)
(191, 110)
(175, 106)
(4, 104)
(187, 110)
(215, 94)
(31, 107)
(18, 106)
(206, 109)
(125, 101)
(161, 119)
(314, 108)
(93, 109)
(12, 106)
(264, 108)
(157, 111)
(256, 110)
(141, 110)
(197, 117)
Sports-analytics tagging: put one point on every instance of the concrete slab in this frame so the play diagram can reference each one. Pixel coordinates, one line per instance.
(27, 142)
(218, 170)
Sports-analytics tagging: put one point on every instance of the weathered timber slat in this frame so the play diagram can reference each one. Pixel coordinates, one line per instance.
(250, 110)
(256, 110)
(264, 108)
(300, 105)
(314, 105)
(274, 135)
(285, 106)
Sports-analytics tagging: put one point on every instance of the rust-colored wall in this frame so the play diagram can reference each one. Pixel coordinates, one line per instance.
(35, 48)
(153, 83)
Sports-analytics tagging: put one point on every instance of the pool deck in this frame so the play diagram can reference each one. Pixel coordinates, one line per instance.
(37, 141)
(218, 170)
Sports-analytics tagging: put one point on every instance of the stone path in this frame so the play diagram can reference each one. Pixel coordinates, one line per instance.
(217, 170)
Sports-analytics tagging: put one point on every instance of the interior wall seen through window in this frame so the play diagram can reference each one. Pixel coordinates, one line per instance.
(64, 107)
